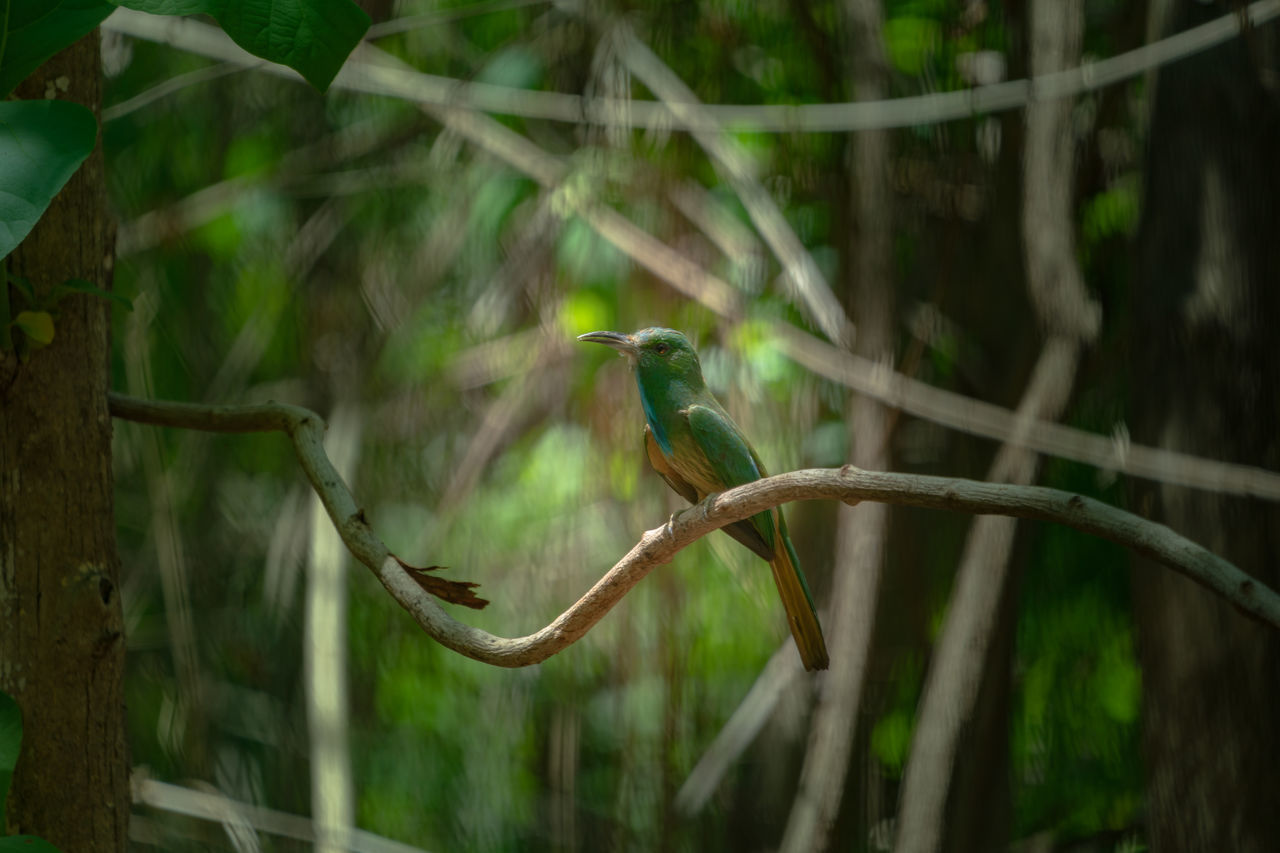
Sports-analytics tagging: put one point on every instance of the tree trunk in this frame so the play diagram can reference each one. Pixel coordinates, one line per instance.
(61, 624)
(1205, 306)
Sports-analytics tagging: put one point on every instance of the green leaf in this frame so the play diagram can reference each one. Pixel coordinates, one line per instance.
(36, 325)
(10, 743)
(911, 42)
(79, 285)
(26, 844)
(42, 143)
(313, 37)
(37, 29)
(890, 740)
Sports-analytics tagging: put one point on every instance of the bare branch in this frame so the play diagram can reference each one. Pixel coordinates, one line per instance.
(1113, 453)
(763, 118)
(740, 730)
(809, 283)
(949, 702)
(978, 417)
(169, 86)
(237, 817)
(861, 535)
(851, 485)
(444, 16)
(324, 656)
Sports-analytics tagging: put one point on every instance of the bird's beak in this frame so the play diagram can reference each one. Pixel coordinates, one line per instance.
(624, 344)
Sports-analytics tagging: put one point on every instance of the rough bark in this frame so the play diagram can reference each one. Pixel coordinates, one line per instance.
(1205, 304)
(61, 640)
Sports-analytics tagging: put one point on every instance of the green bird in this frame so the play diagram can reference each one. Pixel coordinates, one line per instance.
(697, 448)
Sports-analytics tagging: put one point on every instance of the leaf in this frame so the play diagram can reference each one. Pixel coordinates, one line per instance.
(37, 29)
(10, 743)
(454, 592)
(42, 143)
(890, 741)
(313, 37)
(911, 42)
(36, 325)
(79, 285)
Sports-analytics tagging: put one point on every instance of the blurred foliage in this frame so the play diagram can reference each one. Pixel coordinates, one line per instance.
(345, 250)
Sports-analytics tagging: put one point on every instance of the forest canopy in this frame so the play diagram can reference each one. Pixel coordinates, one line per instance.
(1024, 243)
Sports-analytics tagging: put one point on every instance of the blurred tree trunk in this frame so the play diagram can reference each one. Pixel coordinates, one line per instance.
(61, 625)
(861, 532)
(1205, 305)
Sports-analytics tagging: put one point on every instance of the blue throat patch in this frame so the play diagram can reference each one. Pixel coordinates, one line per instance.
(659, 434)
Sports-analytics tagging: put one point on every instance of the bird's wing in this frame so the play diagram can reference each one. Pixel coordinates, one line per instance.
(729, 455)
(659, 462)
(744, 531)
(734, 462)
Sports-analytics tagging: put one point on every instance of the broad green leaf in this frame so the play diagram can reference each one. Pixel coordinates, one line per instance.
(42, 143)
(36, 325)
(37, 29)
(26, 844)
(10, 743)
(313, 37)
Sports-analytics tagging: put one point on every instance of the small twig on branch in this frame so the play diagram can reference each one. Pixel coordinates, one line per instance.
(306, 429)
(851, 485)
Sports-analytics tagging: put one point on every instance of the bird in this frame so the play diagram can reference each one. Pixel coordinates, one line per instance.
(695, 446)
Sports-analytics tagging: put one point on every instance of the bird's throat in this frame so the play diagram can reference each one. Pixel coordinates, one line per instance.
(650, 414)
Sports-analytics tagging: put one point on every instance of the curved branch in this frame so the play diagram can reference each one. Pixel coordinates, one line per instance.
(851, 485)
(440, 92)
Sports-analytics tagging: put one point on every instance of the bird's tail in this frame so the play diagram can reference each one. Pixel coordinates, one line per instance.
(802, 617)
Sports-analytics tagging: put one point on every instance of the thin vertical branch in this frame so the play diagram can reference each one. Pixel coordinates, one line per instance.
(955, 675)
(166, 495)
(861, 533)
(810, 285)
(1071, 319)
(860, 543)
(744, 724)
(325, 653)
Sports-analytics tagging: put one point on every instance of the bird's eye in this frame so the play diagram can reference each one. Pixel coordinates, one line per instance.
(661, 349)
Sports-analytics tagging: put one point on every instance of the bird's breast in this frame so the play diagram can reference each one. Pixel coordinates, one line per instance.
(687, 458)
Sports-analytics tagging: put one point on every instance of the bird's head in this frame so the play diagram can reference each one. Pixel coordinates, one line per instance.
(655, 352)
